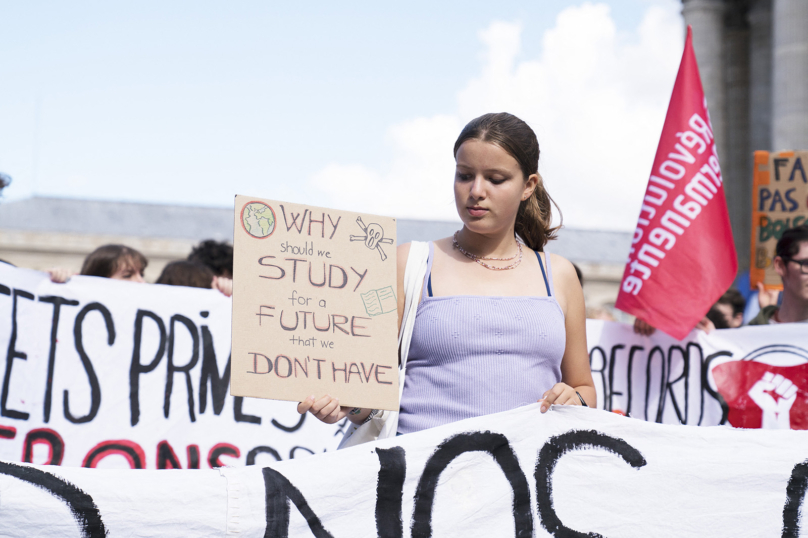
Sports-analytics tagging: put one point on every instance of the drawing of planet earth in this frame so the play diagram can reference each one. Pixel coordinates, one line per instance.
(258, 219)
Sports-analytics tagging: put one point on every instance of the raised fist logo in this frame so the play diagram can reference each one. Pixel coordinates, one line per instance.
(767, 388)
(775, 395)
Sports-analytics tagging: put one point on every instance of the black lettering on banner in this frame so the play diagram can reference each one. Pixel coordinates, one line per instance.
(705, 382)
(296, 448)
(13, 353)
(685, 375)
(629, 392)
(611, 393)
(8, 432)
(171, 368)
(252, 454)
(137, 368)
(690, 348)
(390, 492)
(210, 371)
(279, 491)
(662, 378)
(239, 415)
(193, 456)
(795, 497)
(222, 449)
(552, 451)
(128, 449)
(601, 370)
(166, 457)
(495, 444)
(81, 505)
(57, 303)
(290, 429)
(78, 340)
(44, 436)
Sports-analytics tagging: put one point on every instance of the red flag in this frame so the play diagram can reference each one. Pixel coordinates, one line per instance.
(682, 256)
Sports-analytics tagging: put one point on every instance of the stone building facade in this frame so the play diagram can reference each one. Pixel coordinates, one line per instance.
(753, 61)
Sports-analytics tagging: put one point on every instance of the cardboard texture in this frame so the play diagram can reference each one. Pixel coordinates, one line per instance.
(314, 304)
(779, 202)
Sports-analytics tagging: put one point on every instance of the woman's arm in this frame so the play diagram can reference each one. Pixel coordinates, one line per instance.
(576, 376)
(327, 408)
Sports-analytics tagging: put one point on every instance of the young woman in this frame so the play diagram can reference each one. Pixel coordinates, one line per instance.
(117, 262)
(500, 322)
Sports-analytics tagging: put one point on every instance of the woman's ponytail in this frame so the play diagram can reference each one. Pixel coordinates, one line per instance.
(534, 221)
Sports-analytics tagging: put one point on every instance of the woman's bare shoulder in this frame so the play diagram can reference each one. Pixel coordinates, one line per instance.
(563, 270)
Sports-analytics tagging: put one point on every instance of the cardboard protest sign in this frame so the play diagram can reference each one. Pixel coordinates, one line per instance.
(779, 202)
(314, 304)
(569, 472)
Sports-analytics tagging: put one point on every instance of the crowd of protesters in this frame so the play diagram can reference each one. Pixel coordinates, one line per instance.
(209, 265)
(789, 306)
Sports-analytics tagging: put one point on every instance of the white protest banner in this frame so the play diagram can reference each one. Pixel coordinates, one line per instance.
(103, 373)
(569, 472)
(314, 304)
(750, 377)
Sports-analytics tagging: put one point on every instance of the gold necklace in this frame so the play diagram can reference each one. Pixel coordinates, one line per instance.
(479, 259)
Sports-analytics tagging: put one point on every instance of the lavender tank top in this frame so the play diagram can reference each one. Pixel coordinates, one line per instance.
(474, 355)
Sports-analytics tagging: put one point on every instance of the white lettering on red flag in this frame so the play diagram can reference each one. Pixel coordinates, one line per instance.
(682, 256)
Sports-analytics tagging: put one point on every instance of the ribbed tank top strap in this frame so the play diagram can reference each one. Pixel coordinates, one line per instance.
(549, 272)
(428, 270)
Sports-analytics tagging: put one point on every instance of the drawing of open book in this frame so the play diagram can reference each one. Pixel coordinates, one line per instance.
(379, 302)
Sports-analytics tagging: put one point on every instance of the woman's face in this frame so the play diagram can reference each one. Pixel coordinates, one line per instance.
(130, 273)
(489, 186)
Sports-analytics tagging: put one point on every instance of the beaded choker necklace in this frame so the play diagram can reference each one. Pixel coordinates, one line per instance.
(479, 259)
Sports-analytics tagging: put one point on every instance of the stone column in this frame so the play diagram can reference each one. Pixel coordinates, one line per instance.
(790, 75)
(736, 163)
(759, 17)
(707, 20)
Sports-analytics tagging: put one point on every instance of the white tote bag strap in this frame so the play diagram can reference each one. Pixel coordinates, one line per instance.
(387, 421)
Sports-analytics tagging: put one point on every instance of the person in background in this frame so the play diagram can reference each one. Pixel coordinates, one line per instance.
(579, 274)
(728, 310)
(218, 256)
(117, 262)
(185, 273)
(791, 263)
(194, 275)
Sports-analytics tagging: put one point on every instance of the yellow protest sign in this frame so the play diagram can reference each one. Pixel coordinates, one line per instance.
(314, 304)
(779, 202)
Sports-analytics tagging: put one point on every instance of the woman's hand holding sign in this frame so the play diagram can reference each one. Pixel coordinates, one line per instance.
(328, 410)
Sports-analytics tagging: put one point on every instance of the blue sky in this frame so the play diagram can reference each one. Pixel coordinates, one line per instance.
(354, 105)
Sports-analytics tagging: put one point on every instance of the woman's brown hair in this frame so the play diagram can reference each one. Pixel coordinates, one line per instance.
(107, 259)
(534, 219)
(185, 273)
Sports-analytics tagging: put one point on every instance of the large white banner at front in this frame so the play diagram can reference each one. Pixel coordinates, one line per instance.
(101, 373)
(750, 377)
(572, 472)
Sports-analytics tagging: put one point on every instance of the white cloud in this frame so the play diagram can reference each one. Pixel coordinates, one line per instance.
(595, 96)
